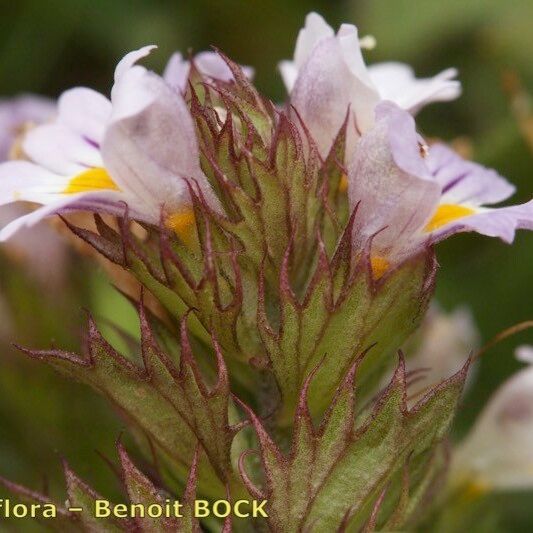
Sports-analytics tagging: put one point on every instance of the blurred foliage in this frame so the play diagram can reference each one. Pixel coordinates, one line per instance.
(46, 47)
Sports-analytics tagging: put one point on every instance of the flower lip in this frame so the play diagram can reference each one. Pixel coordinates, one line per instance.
(423, 197)
(93, 179)
(499, 448)
(447, 213)
(95, 156)
(328, 75)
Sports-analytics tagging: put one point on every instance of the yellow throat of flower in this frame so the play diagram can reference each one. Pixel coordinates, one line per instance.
(447, 213)
(94, 179)
(379, 266)
(182, 223)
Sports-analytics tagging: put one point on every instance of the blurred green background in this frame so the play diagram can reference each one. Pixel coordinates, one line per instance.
(46, 47)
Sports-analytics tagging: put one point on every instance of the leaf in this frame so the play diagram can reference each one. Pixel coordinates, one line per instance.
(173, 407)
(338, 470)
(64, 520)
(81, 496)
(142, 491)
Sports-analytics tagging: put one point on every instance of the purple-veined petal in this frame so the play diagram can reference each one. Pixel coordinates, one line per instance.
(465, 181)
(85, 112)
(499, 222)
(390, 183)
(397, 82)
(56, 147)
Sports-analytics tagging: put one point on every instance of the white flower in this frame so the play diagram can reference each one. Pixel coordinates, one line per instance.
(137, 148)
(328, 76)
(18, 112)
(408, 196)
(442, 344)
(498, 452)
(29, 247)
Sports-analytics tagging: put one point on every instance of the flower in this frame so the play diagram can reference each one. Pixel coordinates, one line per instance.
(328, 76)
(442, 344)
(16, 113)
(408, 195)
(209, 64)
(29, 246)
(498, 451)
(97, 155)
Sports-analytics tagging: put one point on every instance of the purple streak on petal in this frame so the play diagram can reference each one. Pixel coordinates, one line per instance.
(84, 112)
(464, 181)
(91, 142)
(451, 184)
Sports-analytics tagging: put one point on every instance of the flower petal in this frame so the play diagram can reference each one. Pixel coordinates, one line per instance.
(150, 144)
(85, 112)
(524, 353)
(289, 73)
(397, 82)
(500, 222)
(129, 60)
(389, 183)
(111, 202)
(348, 38)
(60, 150)
(176, 72)
(314, 30)
(498, 452)
(325, 89)
(466, 182)
(21, 180)
(209, 64)
(442, 344)
(15, 112)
